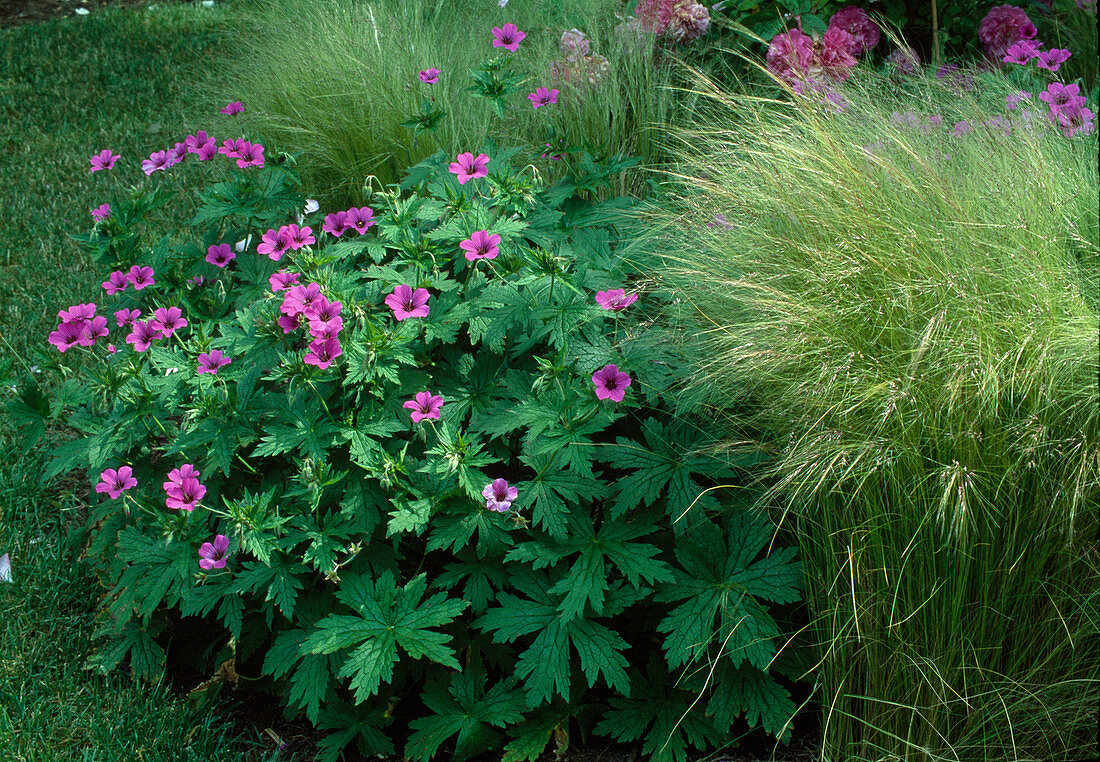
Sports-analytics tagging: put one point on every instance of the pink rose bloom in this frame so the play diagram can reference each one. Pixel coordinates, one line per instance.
(790, 56)
(1001, 27)
(854, 20)
(834, 58)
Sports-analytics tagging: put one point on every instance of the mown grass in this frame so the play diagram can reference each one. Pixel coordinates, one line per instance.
(124, 79)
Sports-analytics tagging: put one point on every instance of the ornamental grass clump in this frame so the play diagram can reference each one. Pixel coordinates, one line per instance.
(905, 317)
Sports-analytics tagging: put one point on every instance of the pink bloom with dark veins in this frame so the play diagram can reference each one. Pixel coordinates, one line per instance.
(213, 555)
(168, 320)
(142, 335)
(114, 483)
(407, 303)
(233, 108)
(508, 37)
(210, 362)
(282, 280)
(322, 352)
(105, 159)
(466, 167)
(615, 299)
(499, 495)
(429, 76)
(140, 277)
(425, 405)
(481, 245)
(360, 219)
(220, 255)
(102, 212)
(126, 317)
(611, 383)
(116, 281)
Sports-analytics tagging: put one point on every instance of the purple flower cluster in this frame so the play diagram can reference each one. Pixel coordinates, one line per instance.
(357, 219)
(680, 21)
(79, 326)
(322, 317)
(1001, 28)
(807, 64)
(1067, 109)
(275, 243)
(183, 488)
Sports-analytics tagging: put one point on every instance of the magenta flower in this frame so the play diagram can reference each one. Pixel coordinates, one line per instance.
(905, 60)
(507, 37)
(542, 97)
(196, 141)
(198, 280)
(466, 167)
(157, 161)
(220, 255)
(67, 335)
(101, 212)
(274, 244)
(213, 555)
(1021, 52)
(720, 221)
(855, 21)
(105, 159)
(114, 483)
(961, 128)
(429, 76)
(615, 300)
(111, 348)
(324, 317)
(207, 150)
(233, 108)
(299, 237)
(209, 362)
(176, 154)
(250, 155)
(424, 405)
(116, 281)
(480, 245)
(78, 312)
(96, 327)
(140, 277)
(168, 321)
(336, 224)
(610, 383)
(834, 58)
(1074, 120)
(290, 323)
(299, 299)
(790, 55)
(407, 303)
(282, 280)
(1052, 59)
(499, 495)
(1014, 100)
(233, 149)
(142, 335)
(183, 488)
(1001, 27)
(126, 317)
(360, 219)
(1060, 97)
(322, 352)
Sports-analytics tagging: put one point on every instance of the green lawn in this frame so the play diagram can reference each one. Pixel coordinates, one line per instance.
(133, 80)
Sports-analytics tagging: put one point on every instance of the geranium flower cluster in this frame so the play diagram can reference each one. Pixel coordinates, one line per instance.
(322, 318)
(679, 21)
(246, 153)
(357, 219)
(578, 64)
(1067, 109)
(183, 488)
(79, 326)
(275, 243)
(1022, 53)
(1001, 28)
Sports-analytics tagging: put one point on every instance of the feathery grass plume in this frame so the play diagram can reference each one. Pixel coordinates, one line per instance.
(336, 79)
(906, 320)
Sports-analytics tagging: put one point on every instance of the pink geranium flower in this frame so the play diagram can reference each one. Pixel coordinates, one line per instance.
(142, 335)
(233, 108)
(282, 280)
(322, 352)
(78, 312)
(114, 483)
(429, 76)
(407, 303)
(194, 142)
(1052, 59)
(499, 496)
(336, 224)
(67, 335)
(425, 405)
(250, 155)
(299, 237)
(1021, 52)
(611, 383)
(466, 167)
(481, 245)
(105, 159)
(324, 317)
(233, 149)
(1059, 97)
(274, 244)
(126, 317)
(213, 555)
(360, 219)
(542, 97)
(1001, 27)
(615, 299)
(116, 281)
(102, 211)
(209, 362)
(220, 255)
(299, 299)
(140, 277)
(508, 37)
(158, 161)
(207, 150)
(168, 320)
(183, 488)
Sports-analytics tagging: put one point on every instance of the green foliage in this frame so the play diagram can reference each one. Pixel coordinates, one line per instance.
(363, 559)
